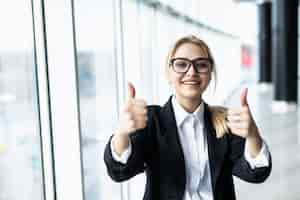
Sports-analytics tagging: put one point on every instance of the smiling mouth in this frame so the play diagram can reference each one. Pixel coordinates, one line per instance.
(191, 82)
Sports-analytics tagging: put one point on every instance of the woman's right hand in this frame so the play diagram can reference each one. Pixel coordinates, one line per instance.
(133, 115)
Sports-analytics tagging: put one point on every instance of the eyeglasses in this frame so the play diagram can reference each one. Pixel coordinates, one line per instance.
(182, 65)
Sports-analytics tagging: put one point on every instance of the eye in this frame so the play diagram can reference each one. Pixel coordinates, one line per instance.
(202, 64)
(180, 63)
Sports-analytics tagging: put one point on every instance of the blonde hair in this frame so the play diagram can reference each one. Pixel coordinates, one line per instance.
(218, 113)
(218, 118)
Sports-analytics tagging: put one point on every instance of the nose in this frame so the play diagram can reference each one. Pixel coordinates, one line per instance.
(192, 70)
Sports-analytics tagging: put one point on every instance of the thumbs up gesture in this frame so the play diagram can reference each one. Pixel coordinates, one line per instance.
(240, 121)
(133, 115)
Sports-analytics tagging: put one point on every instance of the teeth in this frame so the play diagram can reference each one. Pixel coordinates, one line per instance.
(191, 82)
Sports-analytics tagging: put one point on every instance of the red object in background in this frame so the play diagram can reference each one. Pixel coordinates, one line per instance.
(246, 57)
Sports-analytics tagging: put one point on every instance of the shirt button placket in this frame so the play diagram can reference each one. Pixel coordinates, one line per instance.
(197, 158)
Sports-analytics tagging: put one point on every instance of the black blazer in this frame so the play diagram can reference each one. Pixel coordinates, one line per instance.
(156, 149)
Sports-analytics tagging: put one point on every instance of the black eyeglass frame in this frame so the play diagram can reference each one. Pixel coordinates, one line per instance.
(192, 63)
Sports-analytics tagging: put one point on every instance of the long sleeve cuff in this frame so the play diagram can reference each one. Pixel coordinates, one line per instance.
(261, 160)
(124, 156)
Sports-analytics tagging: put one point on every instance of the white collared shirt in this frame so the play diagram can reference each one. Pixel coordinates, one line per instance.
(194, 144)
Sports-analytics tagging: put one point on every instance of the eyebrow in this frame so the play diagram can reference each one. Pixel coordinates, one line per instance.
(197, 58)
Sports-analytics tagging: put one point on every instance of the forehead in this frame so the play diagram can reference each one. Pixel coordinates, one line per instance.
(191, 51)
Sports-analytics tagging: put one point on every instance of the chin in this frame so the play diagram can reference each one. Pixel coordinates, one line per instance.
(193, 96)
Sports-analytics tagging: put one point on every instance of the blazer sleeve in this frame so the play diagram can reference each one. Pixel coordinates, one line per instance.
(141, 142)
(240, 167)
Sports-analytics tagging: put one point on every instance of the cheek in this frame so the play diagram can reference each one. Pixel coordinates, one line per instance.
(207, 78)
(174, 79)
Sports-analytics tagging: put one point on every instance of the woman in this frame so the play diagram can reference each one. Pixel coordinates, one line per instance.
(188, 149)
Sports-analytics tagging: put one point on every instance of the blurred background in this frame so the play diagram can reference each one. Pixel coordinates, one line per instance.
(64, 66)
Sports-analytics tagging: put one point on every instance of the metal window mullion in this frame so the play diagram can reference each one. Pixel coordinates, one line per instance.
(43, 100)
(120, 69)
(63, 94)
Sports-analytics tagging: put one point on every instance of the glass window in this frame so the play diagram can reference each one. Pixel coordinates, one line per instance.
(147, 32)
(94, 24)
(132, 36)
(20, 152)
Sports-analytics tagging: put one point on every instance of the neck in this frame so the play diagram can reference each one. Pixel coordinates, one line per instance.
(190, 105)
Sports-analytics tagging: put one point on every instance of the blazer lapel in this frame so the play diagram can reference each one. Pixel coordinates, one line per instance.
(171, 139)
(216, 147)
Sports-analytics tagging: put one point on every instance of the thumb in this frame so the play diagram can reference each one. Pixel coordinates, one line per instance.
(131, 90)
(244, 101)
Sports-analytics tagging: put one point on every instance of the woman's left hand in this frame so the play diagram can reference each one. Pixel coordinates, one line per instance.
(240, 121)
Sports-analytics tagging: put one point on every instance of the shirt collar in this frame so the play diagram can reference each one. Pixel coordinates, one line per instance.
(181, 114)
